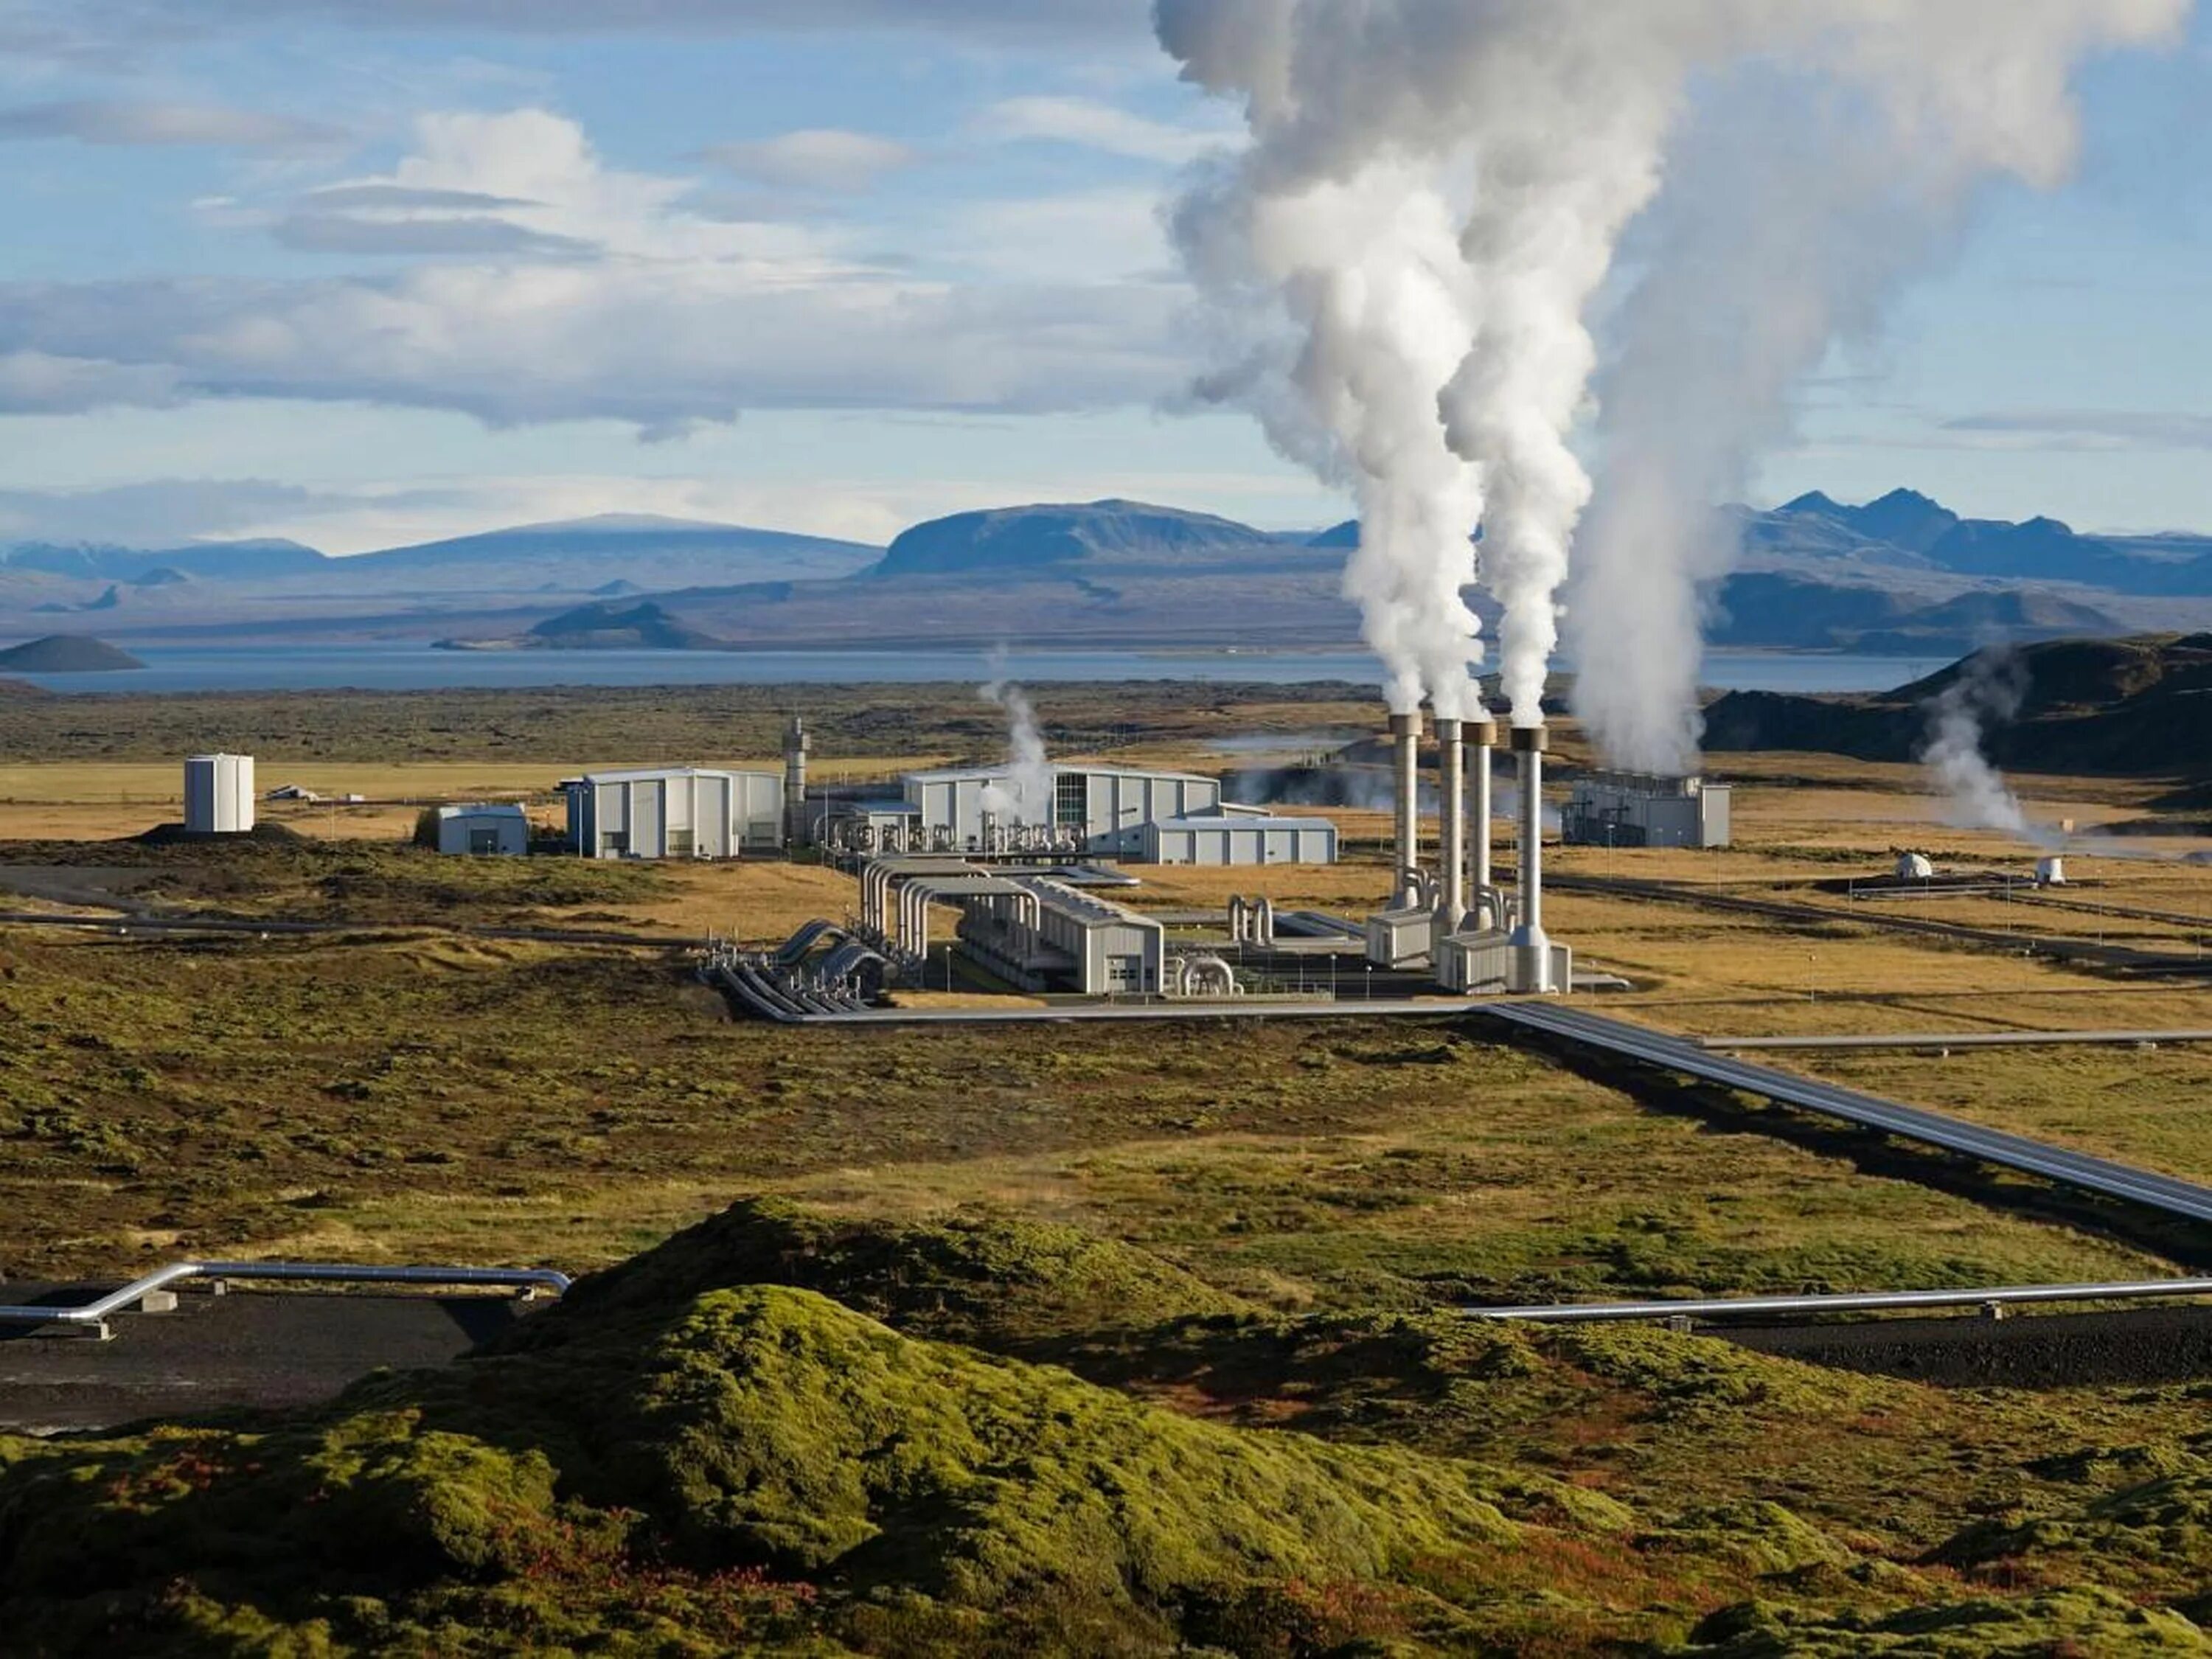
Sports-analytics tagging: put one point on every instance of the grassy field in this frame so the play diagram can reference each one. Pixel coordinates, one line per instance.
(1243, 1244)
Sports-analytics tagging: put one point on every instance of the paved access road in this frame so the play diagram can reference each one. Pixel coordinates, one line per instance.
(247, 1348)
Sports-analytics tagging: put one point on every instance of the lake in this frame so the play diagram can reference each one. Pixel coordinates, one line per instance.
(417, 667)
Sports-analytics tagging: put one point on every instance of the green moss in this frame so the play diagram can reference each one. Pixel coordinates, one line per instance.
(2084, 1622)
(998, 1280)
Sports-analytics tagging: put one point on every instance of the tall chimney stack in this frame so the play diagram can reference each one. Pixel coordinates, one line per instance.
(794, 783)
(1405, 734)
(1481, 736)
(1451, 827)
(1532, 948)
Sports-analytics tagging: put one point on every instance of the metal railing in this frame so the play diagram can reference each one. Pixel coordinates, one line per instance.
(94, 1315)
(1843, 1301)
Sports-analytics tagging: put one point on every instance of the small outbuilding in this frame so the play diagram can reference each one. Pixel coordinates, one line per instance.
(483, 829)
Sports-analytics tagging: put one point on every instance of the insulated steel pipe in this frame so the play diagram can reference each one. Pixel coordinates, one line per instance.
(1481, 736)
(1532, 949)
(1451, 827)
(1405, 736)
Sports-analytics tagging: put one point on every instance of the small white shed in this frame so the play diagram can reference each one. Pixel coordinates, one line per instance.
(482, 829)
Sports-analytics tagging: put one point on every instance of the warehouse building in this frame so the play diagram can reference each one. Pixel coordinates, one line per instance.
(1238, 840)
(675, 812)
(484, 830)
(219, 794)
(1108, 812)
(1066, 940)
(1638, 809)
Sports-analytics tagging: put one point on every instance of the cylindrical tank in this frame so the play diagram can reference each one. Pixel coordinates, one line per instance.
(1451, 826)
(1405, 736)
(2050, 871)
(219, 796)
(1532, 947)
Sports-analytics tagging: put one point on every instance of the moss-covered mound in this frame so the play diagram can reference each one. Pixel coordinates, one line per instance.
(758, 1462)
(999, 1283)
(2083, 1621)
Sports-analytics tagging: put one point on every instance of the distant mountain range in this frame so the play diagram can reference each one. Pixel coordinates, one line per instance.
(1899, 574)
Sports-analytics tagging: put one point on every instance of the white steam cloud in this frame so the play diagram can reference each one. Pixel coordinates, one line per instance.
(1435, 191)
(1987, 690)
(1025, 796)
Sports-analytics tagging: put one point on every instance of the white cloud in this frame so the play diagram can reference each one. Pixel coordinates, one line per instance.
(1093, 125)
(1083, 236)
(575, 290)
(166, 511)
(818, 158)
(40, 383)
(125, 121)
(2078, 428)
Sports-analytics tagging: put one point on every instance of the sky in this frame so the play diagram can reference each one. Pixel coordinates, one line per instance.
(365, 272)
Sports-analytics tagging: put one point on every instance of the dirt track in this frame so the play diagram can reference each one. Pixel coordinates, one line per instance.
(2026, 1351)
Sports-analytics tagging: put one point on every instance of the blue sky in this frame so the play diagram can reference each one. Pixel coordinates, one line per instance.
(355, 271)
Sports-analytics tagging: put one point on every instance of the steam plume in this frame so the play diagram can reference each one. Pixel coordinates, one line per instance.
(1436, 189)
(1025, 796)
(1989, 688)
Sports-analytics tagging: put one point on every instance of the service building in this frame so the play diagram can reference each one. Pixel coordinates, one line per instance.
(674, 813)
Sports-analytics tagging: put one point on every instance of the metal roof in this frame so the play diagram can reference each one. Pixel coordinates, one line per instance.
(483, 809)
(1239, 821)
(640, 773)
(944, 773)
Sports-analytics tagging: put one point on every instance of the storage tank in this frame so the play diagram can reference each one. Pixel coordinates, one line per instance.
(219, 794)
(1914, 867)
(2050, 871)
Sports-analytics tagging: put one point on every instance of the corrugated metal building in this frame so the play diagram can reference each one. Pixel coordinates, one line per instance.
(1111, 809)
(674, 813)
(483, 829)
(1638, 809)
(1081, 942)
(219, 794)
(1238, 840)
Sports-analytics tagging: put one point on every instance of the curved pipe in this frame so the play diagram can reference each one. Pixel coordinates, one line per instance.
(95, 1313)
(1847, 1302)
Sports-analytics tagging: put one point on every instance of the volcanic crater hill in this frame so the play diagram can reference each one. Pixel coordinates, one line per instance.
(785, 1432)
(67, 653)
(2120, 707)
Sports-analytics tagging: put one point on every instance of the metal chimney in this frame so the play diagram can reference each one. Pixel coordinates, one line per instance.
(1405, 734)
(1532, 948)
(1481, 736)
(794, 781)
(1451, 827)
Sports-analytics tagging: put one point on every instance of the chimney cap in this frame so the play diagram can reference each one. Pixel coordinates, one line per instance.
(1483, 731)
(1529, 739)
(1406, 726)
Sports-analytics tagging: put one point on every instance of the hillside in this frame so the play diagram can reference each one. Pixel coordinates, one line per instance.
(1016, 538)
(2109, 707)
(782, 1433)
(67, 653)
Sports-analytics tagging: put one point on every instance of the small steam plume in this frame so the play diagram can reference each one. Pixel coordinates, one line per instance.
(1987, 688)
(1025, 796)
(1436, 190)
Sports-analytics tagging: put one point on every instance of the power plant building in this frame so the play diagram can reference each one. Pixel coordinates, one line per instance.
(1238, 840)
(1637, 809)
(498, 830)
(1112, 811)
(1049, 936)
(219, 794)
(675, 812)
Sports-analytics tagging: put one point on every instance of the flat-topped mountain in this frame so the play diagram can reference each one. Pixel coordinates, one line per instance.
(1027, 538)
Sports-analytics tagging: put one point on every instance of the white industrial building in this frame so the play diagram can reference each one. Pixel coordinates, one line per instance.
(1238, 840)
(1049, 936)
(219, 794)
(1638, 809)
(1108, 812)
(483, 829)
(675, 812)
